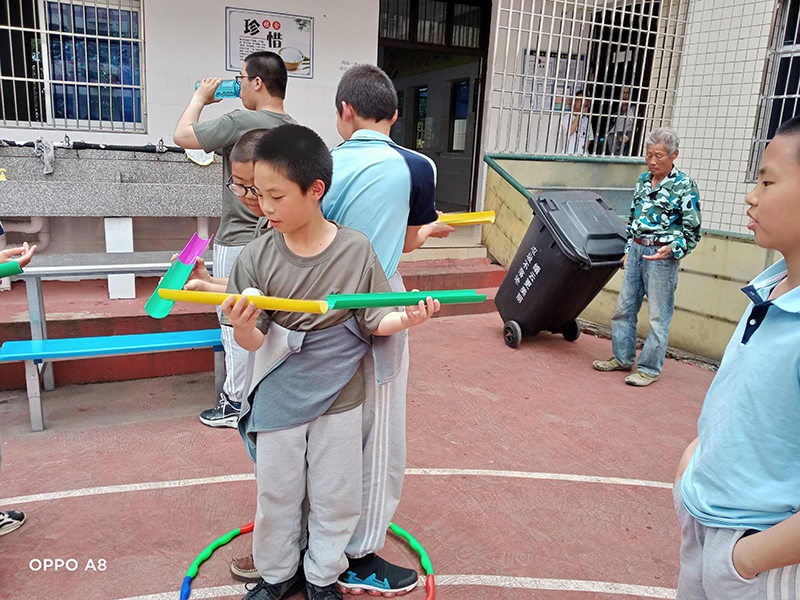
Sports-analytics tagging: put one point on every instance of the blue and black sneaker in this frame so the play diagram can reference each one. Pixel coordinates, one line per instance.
(377, 577)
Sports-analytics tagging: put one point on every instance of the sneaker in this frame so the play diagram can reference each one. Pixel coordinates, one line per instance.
(226, 413)
(243, 569)
(315, 592)
(377, 577)
(276, 591)
(610, 365)
(640, 379)
(11, 520)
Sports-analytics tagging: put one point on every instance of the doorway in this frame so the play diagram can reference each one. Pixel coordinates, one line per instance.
(435, 53)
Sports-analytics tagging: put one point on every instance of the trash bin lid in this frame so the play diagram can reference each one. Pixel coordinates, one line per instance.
(584, 226)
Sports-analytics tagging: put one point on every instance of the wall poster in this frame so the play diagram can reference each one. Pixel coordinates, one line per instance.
(290, 36)
(551, 80)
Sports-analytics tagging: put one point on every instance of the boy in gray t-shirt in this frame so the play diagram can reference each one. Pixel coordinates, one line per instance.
(301, 420)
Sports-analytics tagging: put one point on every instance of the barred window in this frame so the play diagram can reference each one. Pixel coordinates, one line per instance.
(781, 86)
(72, 64)
(581, 77)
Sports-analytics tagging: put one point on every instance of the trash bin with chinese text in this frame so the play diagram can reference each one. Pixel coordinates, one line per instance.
(573, 246)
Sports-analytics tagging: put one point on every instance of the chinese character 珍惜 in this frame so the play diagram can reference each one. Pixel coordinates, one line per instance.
(251, 27)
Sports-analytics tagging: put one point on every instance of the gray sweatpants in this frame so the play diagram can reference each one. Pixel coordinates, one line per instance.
(707, 571)
(384, 448)
(235, 355)
(322, 459)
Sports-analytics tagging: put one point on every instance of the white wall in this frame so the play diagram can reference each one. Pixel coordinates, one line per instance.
(184, 40)
(721, 74)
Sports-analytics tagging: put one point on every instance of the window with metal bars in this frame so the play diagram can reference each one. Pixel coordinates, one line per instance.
(781, 87)
(435, 22)
(71, 64)
(623, 55)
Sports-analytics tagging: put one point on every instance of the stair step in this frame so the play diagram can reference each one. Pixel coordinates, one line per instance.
(451, 274)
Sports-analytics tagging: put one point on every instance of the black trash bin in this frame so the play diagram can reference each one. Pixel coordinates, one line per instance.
(571, 249)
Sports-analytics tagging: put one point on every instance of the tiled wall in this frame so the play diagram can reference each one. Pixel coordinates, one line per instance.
(721, 76)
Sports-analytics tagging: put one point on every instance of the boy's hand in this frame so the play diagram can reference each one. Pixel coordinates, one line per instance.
(741, 558)
(242, 314)
(198, 277)
(414, 315)
(205, 91)
(440, 230)
(25, 252)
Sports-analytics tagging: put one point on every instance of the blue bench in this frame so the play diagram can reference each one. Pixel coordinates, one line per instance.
(35, 352)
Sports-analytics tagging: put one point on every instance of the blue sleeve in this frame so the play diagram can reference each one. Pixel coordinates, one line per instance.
(422, 200)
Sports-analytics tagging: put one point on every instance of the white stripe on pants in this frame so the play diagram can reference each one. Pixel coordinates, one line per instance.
(321, 459)
(235, 355)
(384, 458)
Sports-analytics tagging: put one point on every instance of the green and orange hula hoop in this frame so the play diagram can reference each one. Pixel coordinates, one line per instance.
(186, 588)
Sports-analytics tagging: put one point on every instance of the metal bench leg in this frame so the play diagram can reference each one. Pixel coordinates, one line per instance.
(219, 371)
(34, 395)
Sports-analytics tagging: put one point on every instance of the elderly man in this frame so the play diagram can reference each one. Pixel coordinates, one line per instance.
(664, 227)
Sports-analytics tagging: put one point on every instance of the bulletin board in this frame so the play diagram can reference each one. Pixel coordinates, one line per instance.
(290, 36)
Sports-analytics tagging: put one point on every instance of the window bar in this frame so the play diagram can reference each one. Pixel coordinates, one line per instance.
(629, 66)
(2, 81)
(518, 89)
(501, 90)
(44, 57)
(529, 74)
(547, 76)
(640, 56)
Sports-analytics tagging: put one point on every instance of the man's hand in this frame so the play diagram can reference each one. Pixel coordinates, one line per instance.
(205, 91)
(624, 260)
(439, 230)
(663, 252)
(25, 252)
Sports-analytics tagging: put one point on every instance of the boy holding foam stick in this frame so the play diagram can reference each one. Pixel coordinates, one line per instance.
(304, 431)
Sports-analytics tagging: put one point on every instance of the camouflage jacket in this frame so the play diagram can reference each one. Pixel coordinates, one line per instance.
(670, 213)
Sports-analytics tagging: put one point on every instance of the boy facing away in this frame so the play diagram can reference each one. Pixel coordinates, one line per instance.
(737, 492)
(301, 422)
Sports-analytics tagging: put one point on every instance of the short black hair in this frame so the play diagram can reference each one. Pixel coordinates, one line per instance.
(298, 153)
(242, 151)
(271, 69)
(369, 91)
(790, 127)
(579, 93)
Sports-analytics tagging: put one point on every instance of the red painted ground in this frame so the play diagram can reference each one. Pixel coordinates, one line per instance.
(474, 403)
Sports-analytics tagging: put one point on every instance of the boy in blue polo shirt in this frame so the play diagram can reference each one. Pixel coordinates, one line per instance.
(738, 488)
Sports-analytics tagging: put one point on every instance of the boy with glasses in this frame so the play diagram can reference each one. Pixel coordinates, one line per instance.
(263, 79)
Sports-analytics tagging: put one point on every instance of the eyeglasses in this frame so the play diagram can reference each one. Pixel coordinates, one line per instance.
(239, 78)
(237, 189)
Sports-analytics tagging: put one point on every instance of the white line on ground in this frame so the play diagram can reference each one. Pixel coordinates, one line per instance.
(531, 475)
(156, 485)
(527, 583)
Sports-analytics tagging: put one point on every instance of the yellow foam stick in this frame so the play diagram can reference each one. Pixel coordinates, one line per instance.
(469, 218)
(319, 307)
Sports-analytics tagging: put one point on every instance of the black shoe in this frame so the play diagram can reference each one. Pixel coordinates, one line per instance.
(377, 577)
(226, 413)
(315, 592)
(277, 591)
(11, 520)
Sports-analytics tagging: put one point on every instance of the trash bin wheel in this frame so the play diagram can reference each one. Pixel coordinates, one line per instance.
(572, 331)
(512, 333)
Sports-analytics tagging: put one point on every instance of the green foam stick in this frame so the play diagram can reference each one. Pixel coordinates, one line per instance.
(348, 301)
(7, 269)
(176, 276)
(175, 279)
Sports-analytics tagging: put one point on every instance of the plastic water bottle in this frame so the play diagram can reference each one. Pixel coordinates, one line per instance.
(229, 88)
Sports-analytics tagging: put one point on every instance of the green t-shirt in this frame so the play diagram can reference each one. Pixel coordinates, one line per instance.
(237, 224)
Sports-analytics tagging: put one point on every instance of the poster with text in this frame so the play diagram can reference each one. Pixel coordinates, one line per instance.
(290, 36)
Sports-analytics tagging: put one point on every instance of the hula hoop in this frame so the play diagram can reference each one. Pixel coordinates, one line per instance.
(186, 588)
(430, 584)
